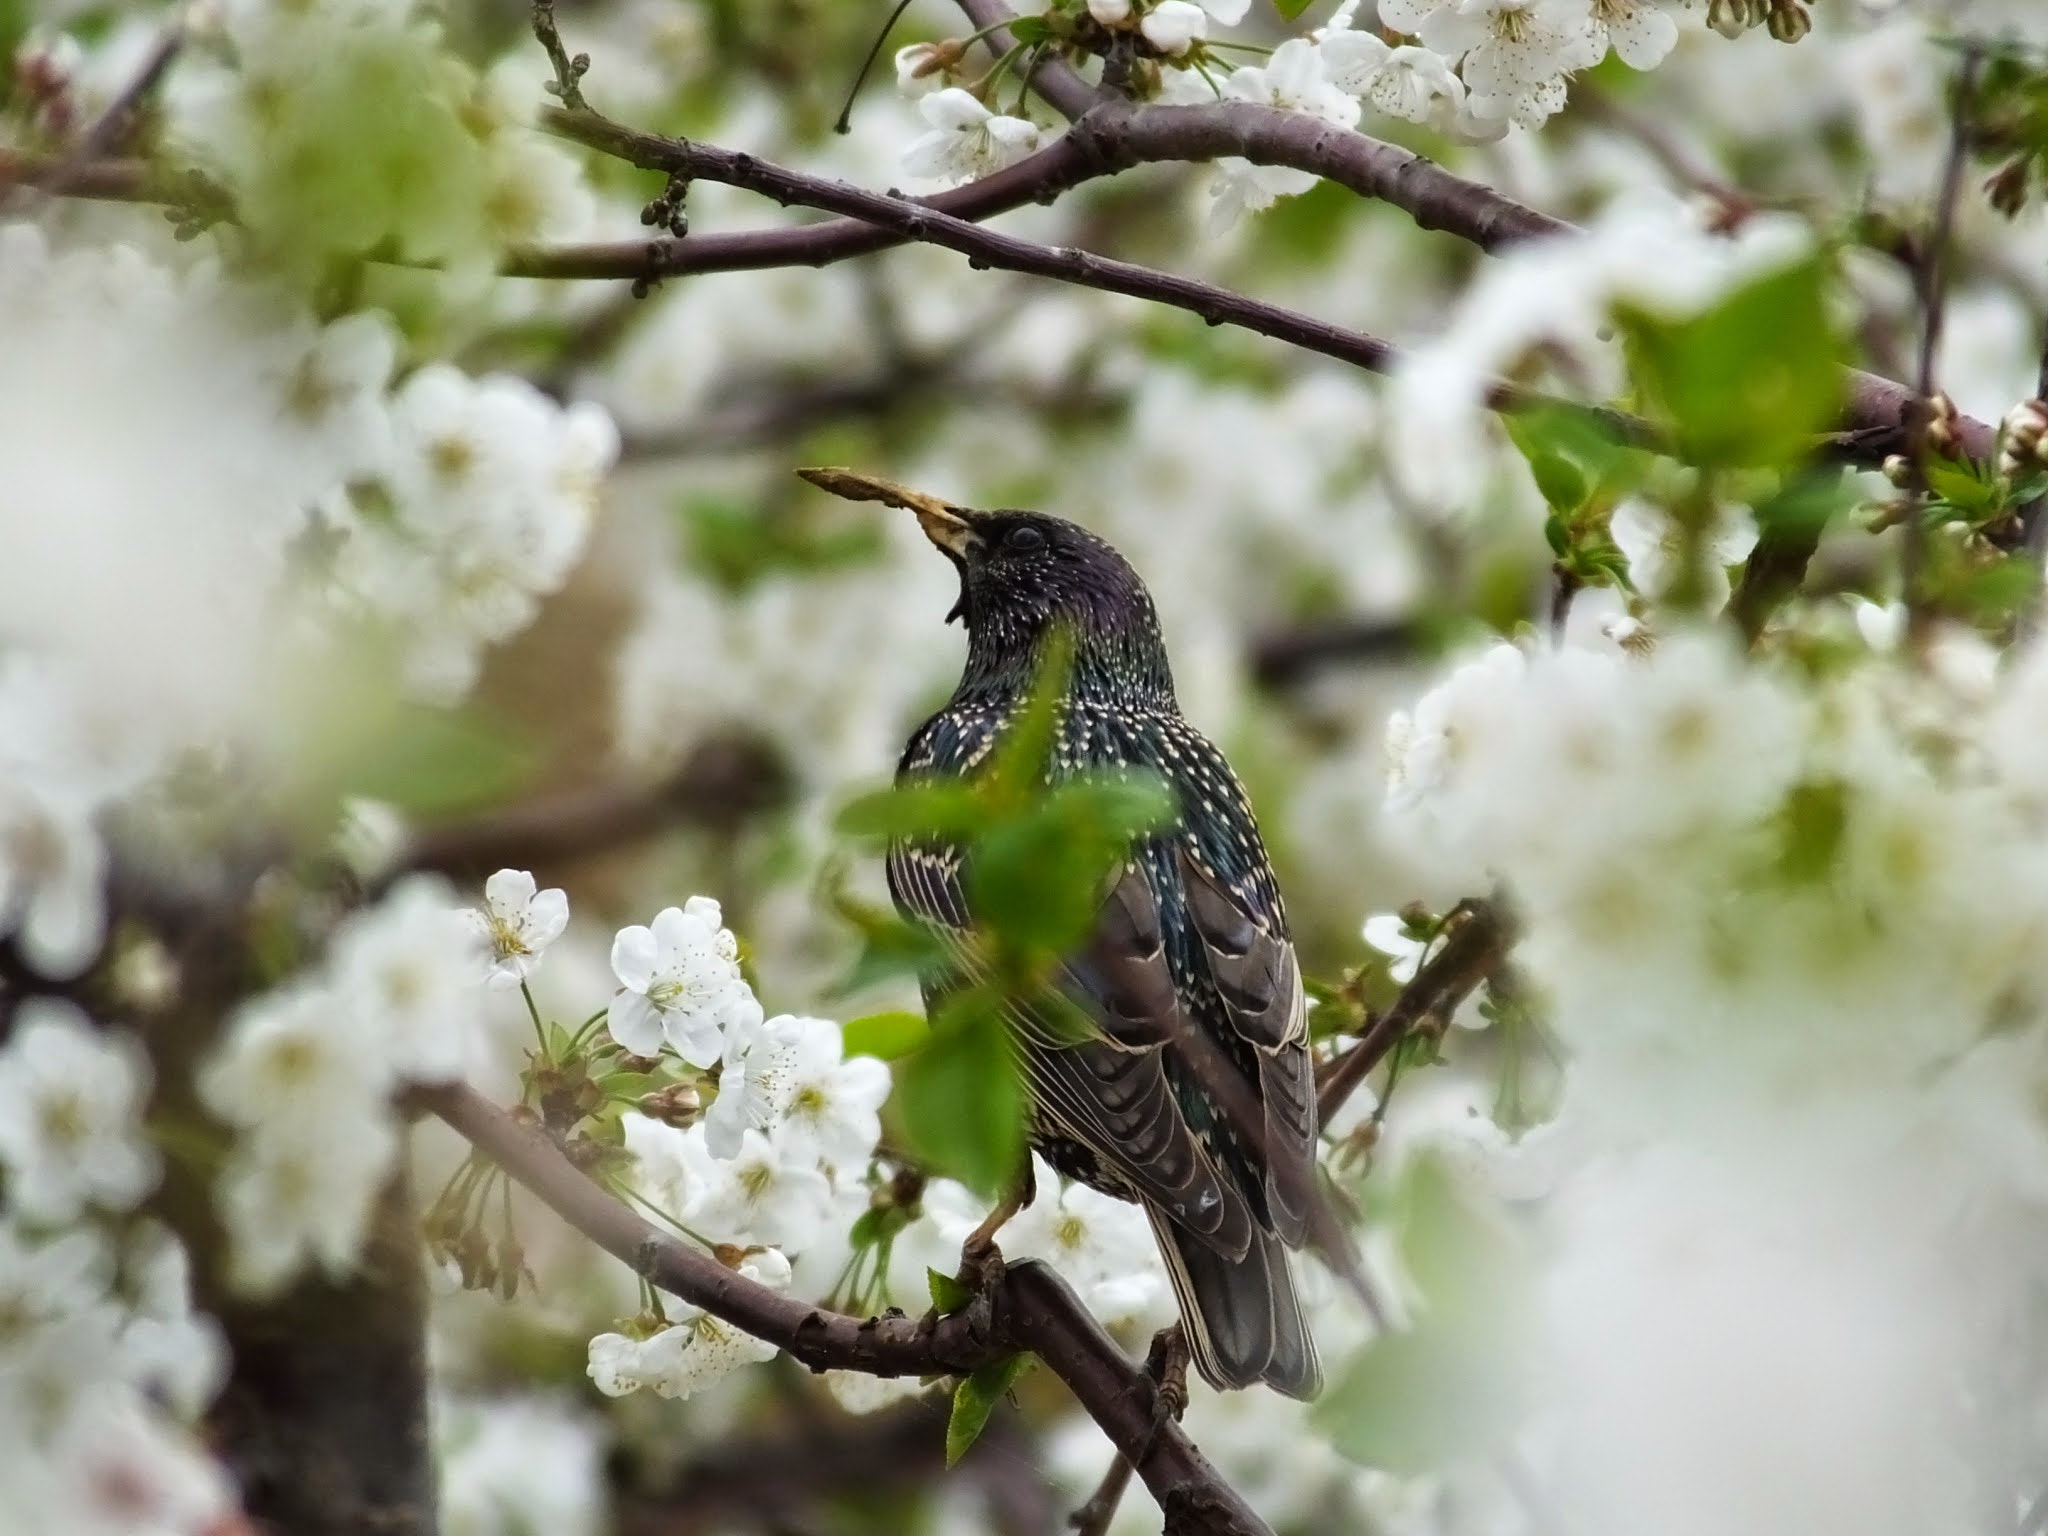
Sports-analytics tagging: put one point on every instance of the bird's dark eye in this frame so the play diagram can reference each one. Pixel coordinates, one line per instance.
(1022, 538)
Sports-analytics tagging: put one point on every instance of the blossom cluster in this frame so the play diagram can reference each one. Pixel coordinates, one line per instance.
(102, 1360)
(342, 127)
(237, 476)
(305, 1074)
(1786, 923)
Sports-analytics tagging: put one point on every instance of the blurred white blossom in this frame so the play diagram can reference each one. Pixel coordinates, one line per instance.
(71, 1101)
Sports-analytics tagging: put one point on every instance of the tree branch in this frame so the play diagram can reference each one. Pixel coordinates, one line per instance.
(1474, 941)
(982, 247)
(1114, 135)
(723, 781)
(1028, 1307)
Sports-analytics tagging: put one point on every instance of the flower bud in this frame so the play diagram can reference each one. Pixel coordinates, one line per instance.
(2021, 443)
(679, 1104)
(1788, 21)
(1941, 426)
(2007, 186)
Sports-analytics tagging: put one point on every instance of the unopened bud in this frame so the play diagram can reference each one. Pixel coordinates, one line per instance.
(2007, 186)
(1941, 426)
(45, 66)
(678, 1104)
(1732, 18)
(1896, 469)
(1788, 21)
(2023, 439)
(920, 66)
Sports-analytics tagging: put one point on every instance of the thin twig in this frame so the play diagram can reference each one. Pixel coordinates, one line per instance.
(1931, 283)
(1057, 83)
(109, 134)
(567, 86)
(1474, 942)
(1285, 657)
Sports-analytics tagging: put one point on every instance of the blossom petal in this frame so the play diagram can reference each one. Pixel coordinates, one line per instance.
(636, 1024)
(509, 889)
(634, 953)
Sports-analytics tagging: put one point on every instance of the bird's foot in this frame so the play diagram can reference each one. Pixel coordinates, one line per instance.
(1166, 1365)
(979, 1255)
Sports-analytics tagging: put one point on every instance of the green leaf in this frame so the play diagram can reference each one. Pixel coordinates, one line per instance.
(1412, 1403)
(1018, 767)
(1803, 507)
(1291, 10)
(912, 810)
(948, 1294)
(1962, 487)
(975, 1399)
(1409, 1403)
(884, 1035)
(1572, 439)
(428, 762)
(1037, 885)
(1559, 481)
(1750, 380)
(891, 948)
(960, 1100)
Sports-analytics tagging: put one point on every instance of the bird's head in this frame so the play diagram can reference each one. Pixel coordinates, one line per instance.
(1024, 576)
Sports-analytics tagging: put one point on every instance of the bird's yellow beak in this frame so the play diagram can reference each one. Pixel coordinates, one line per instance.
(944, 524)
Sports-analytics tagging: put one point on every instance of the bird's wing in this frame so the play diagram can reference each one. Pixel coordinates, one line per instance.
(1258, 982)
(1111, 1094)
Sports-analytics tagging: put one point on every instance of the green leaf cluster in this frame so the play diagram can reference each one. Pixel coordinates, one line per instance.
(1582, 472)
(1752, 380)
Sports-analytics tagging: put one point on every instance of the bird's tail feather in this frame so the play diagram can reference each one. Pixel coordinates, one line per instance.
(1244, 1323)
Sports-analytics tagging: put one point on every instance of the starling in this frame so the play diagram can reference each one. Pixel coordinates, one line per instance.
(1191, 940)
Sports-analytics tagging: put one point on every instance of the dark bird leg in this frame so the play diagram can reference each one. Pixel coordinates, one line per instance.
(980, 1245)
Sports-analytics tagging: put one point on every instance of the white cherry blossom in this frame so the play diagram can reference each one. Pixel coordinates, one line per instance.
(409, 964)
(71, 1100)
(301, 1054)
(297, 1194)
(1641, 32)
(517, 924)
(696, 1351)
(1655, 545)
(766, 1192)
(966, 140)
(1174, 26)
(1293, 79)
(830, 1104)
(681, 984)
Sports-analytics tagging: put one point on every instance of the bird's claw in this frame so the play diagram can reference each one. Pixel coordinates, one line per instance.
(1166, 1364)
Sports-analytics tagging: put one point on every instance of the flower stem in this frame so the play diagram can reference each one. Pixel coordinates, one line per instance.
(540, 1033)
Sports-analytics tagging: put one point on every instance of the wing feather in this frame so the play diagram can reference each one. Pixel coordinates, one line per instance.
(1258, 981)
